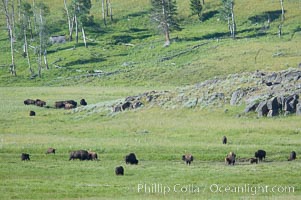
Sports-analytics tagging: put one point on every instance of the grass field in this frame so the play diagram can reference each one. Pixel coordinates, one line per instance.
(158, 137)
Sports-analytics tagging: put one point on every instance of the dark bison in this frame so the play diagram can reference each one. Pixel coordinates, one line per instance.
(80, 154)
(260, 154)
(83, 102)
(32, 113)
(224, 140)
(253, 160)
(230, 158)
(292, 156)
(188, 158)
(92, 155)
(62, 104)
(40, 103)
(119, 170)
(25, 156)
(131, 159)
(29, 102)
(50, 150)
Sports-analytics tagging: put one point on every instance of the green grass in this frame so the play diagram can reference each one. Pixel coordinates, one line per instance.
(158, 137)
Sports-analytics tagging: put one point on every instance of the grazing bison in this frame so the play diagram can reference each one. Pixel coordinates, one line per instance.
(224, 140)
(40, 103)
(119, 170)
(29, 102)
(80, 154)
(32, 113)
(50, 150)
(59, 104)
(292, 156)
(188, 158)
(25, 156)
(131, 159)
(230, 159)
(83, 102)
(69, 106)
(74, 103)
(92, 155)
(254, 160)
(260, 154)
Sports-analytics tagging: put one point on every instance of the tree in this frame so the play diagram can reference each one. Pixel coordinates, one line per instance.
(10, 34)
(282, 11)
(227, 13)
(196, 7)
(163, 13)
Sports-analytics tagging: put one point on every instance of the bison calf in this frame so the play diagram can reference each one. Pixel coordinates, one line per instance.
(29, 102)
(254, 160)
(224, 140)
(292, 156)
(230, 159)
(25, 156)
(119, 170)
(40, 103)
(188, 158)
(50, 150)
(83, 102)
(92, 155)
(32, 113)
(131, 159)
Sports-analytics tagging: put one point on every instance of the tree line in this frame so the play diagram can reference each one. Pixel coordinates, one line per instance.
(27, 23)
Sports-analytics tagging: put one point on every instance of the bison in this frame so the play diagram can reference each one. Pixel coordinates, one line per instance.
(80, 154)
(230, 158)
(50, 150)
(224, 140)
(131, 159)
(69, 106)
(119, 170)
(59, 104)
(292, 156)
(83, 102)
(92, 155)
(40, 103)
(260, 154)
(32, 113)
(188, 158)
(74, 103)
(29, 102)
(253, 160)
(25, 156)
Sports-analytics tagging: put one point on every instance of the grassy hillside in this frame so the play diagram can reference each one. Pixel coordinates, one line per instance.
(129, 51)
(127, 58)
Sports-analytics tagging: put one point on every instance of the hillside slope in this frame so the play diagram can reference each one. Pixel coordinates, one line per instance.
(129, 51)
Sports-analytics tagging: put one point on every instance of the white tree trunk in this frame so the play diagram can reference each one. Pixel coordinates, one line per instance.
(282, 11)
(76, 28)
(27, 53)
(84, 36)
(233, 20)
(70, 26)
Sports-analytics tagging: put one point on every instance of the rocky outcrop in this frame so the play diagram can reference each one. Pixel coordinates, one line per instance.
(267, 93)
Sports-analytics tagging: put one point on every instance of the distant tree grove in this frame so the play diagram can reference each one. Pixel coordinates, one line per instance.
(27, 26)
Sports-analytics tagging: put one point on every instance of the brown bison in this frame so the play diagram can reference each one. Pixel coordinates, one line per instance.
(292, 156)
(29, 102)
(40, 103)
(230, 158)
(131, 159)
(188, 158)
(119, 170)
(83, 102)
(92, 155)
(32, 113)
(260, 154)
(50, 150)
(224, 140)
(59, 104)
(80, 154)
(253, 160)
(25, 156)
(69, 106)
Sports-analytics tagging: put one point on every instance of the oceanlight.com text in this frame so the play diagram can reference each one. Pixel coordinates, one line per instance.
(251, 189)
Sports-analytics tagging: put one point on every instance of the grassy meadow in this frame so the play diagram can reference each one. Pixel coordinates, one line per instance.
(130, 54)
(158, 137)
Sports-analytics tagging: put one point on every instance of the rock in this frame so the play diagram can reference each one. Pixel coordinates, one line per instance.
(236, 97)
(262, 109)
(251, 107)
(298, 109)
(272, 113)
